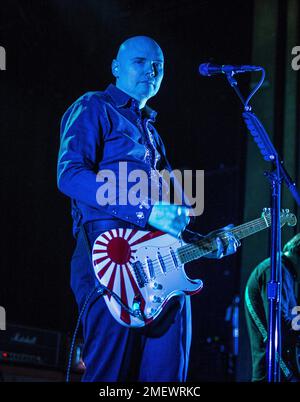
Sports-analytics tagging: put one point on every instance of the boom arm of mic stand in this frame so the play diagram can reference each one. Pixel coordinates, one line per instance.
(268, 151)
(260, 135)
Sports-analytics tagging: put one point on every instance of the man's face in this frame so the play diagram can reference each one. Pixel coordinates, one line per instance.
(139, 69)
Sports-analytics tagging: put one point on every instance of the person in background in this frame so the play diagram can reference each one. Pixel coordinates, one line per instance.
(257, 310)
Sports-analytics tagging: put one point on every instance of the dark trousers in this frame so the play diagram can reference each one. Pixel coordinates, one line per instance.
(112, 352)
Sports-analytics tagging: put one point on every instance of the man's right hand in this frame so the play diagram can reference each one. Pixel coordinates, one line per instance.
(169, 218)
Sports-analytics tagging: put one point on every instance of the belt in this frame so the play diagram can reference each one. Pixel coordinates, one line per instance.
(103, 225)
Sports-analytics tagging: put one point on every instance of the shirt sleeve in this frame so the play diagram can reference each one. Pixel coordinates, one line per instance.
(81, 134)
(83, 128)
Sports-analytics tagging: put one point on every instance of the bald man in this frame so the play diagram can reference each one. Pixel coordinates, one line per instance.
(139, 68)
(98, 131)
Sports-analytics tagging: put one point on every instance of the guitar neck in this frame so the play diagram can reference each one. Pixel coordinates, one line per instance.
(190, 252)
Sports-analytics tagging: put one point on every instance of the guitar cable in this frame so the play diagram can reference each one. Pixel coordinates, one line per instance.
(101, 290)
(87, 299)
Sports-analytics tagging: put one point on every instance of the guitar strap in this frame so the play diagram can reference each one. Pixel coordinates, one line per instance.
(82, 230)
(89, 252)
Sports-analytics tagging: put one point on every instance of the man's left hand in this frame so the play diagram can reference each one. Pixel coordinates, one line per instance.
(226, 242)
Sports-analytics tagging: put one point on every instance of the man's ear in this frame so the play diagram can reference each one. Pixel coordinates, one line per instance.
(115, 68)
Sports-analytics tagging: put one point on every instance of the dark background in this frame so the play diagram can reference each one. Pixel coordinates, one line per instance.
(56, 51)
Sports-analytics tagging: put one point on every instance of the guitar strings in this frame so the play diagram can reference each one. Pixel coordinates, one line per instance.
(250, 225)
(190, 250)
(205, 243)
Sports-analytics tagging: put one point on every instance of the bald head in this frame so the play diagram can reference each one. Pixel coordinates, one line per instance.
(138, 68)
(138, 43)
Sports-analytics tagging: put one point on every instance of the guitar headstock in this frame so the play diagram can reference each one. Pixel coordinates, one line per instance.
(286, 217)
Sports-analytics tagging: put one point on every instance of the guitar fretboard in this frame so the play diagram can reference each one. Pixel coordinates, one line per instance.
(206, 245)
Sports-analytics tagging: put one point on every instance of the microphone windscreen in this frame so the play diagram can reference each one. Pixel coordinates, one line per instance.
(203, 69)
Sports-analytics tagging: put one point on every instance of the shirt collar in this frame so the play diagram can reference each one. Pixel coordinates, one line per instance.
(121, 99)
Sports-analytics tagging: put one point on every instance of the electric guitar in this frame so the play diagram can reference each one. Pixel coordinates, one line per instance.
(140, 271)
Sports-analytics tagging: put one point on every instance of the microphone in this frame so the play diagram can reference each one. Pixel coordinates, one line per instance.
(208, 69)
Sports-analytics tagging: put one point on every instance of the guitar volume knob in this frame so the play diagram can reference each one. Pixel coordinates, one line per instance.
(156, 285)
(151, 311)
(156, 299)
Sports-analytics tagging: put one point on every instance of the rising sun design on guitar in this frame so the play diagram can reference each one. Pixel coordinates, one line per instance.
(140, 271)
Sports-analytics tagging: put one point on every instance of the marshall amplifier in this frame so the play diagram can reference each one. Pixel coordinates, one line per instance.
(25, 345)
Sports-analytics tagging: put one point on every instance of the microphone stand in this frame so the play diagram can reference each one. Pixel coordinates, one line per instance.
(275, 177)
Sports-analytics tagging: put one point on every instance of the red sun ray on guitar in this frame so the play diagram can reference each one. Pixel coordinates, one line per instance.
(114, 252)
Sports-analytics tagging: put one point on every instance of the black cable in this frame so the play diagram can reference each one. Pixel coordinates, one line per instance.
(96, 288)
(101, 289)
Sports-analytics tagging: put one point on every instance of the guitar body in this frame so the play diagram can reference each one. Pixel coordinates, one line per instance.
(142, 270)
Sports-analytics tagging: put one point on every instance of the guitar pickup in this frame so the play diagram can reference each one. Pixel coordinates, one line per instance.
(150, 267)
(161, 262)
(139, 273)
(173, 255)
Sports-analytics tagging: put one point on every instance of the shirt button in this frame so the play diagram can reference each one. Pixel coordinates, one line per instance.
(140, 215)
